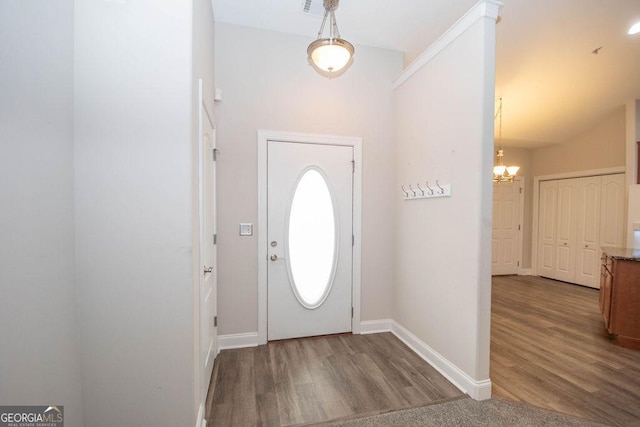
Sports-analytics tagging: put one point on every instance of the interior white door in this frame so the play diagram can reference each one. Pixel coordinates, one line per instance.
(547, 228)
(588, 232)
(506, 228)
(208, 258)
(310, 213)
(565, 230)
(612, 211)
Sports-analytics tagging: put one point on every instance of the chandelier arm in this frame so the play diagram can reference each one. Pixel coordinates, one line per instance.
(324, 21)
(335, 33)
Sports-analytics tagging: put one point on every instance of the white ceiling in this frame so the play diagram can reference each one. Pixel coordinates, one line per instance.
(553, 87)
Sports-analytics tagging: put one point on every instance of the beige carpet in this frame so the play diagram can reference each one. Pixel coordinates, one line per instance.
(467, 412)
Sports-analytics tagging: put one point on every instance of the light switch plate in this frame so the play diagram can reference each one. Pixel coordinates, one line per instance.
(246, 229)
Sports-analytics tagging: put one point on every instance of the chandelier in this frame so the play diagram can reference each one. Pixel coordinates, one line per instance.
(330, 54)
(502, 173)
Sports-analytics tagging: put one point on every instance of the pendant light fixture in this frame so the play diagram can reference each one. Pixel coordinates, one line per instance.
(333, 53)
(502, 173)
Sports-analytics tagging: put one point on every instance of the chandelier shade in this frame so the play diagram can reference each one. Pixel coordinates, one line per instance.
(330, 54)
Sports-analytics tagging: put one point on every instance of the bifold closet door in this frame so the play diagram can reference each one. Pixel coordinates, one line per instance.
(565, 230)
(613, 210)
(547, 228)
(587, 247)
(576, 217)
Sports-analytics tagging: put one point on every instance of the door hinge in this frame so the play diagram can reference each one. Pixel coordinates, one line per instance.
(215, 239)
(353, 240)
(518, 263)
(215, 154)
(215, 321)
(520, 190)
(518, 227)
(353, 166)
(352, 312)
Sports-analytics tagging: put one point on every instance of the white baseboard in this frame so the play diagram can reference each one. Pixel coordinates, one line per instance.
(376, 326)
(477, 390)
(201, 422)
(525, 272)
(226, 342)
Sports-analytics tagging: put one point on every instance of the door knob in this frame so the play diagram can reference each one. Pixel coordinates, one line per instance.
(208, 269)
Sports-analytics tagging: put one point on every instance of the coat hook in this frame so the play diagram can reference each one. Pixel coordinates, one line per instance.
(412, 190)
(405, 192)
(441, 189)
(430, 189)
(420, 188)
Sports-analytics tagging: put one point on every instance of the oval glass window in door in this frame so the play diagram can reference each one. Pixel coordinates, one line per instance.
(312, 236)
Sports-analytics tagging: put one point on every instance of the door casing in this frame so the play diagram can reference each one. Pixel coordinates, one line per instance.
(302, 138)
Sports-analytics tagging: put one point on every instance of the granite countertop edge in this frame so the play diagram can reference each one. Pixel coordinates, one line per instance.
(627, 254)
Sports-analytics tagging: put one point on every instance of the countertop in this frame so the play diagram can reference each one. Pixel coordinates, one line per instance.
(623, 253)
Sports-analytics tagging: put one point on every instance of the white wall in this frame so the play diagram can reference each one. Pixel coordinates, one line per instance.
(444, 131)
(38, 312)
(268, 84)
(601, 147)
(134, 190)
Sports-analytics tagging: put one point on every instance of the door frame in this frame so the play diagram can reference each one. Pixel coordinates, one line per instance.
(264, 136)
(536, 201)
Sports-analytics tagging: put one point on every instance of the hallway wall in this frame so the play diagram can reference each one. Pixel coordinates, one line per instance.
(268, 84)
(38, 300)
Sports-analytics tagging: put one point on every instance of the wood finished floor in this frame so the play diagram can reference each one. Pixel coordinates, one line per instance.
(312, 380)
(549, 348)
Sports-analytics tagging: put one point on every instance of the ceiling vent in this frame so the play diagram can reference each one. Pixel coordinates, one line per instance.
(313, 7)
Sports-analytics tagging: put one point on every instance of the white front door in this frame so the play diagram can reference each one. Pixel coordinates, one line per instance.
(208, 258)
(505, 248)
(310, 223)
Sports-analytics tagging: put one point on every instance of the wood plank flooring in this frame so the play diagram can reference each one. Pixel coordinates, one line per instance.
(310, 380)
(549, 348)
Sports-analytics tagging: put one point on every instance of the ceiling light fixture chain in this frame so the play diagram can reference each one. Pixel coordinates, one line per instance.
(502, 173)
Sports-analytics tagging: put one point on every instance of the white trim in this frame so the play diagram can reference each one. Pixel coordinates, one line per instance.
(376, 326)
(477, 390)
(200, 421)
(536, 201)
(304, 138)
(580, 174)
(482, 9)
(525, 272)
(226, 342)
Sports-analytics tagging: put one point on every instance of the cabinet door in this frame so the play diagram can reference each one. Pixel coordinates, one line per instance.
(547, 213)
(587, 246)
(566, 230)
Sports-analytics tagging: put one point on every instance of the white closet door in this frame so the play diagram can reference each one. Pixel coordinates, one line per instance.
(565, 230)
(587, 245)
(547, 228)
(612, 211)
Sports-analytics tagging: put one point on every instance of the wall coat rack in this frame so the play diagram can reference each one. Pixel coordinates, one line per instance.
(425, 191)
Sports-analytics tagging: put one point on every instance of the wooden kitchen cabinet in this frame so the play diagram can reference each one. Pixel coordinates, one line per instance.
(620, 295)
